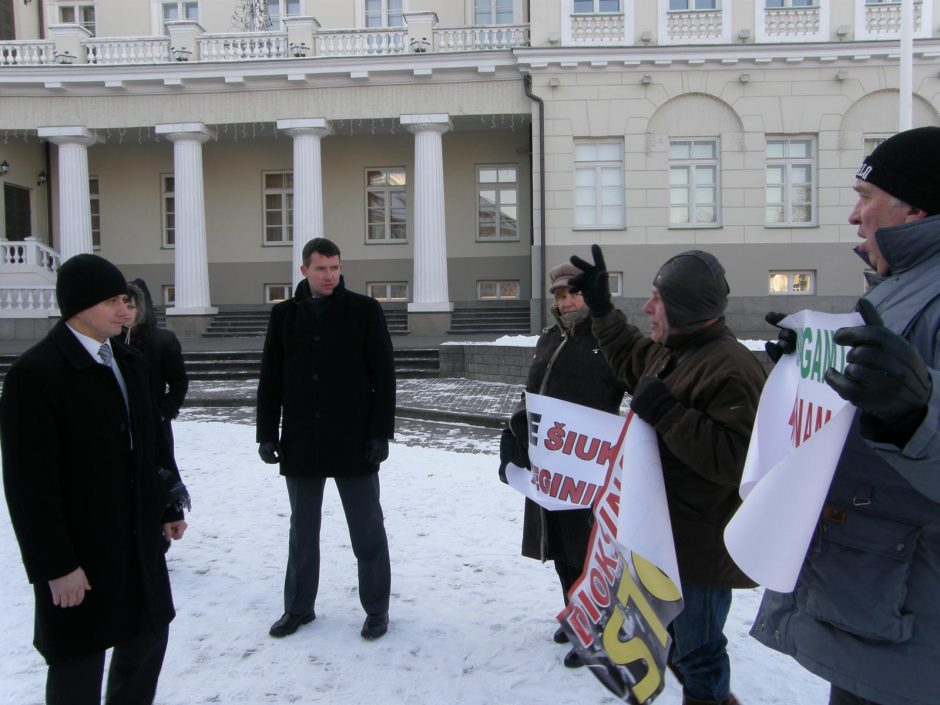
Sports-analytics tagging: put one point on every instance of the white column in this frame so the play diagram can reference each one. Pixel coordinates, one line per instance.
(430, 292)
(308, 182)
(192, 266)
(74, 201)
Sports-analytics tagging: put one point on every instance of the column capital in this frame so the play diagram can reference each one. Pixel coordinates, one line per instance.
(319, 127)
(71, 134)
(433, 122)
(197, 131)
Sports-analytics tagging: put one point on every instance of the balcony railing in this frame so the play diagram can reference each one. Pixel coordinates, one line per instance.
(604, 28)
(246, 46)
(362, 42)
(28, 301)
(693, 25)
(480, 38)
(129, 50)
(791, 22)
(885, 18)
(26, 53)
(28, 256)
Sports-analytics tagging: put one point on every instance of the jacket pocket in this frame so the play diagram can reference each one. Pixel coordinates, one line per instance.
(857, 573)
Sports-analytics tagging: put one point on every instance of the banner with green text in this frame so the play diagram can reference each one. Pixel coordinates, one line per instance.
(797, 439)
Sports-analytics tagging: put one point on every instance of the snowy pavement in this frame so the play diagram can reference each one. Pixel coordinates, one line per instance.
(471, 620)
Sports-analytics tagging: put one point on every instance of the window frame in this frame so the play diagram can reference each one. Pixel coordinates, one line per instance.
(181, 6)
(384, 14)
(596, 9)
(691, 166)
(286, 209)
(168, 294)
(387, 190)
(268, 291)
(277, 21)
(496, 186)
(688, 3)
(597, 166)
(167, 242)
(499, 283)
(788, 163)
(492, 12)
(94, 207)
(615, 281)
(388, 291)
(788, 5)
(790, 275)
(78, 9)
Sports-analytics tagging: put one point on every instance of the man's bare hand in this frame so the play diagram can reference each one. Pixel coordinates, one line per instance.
(69, 590)
(174, 530)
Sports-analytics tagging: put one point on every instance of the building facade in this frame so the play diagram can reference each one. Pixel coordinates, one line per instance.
(199, 144)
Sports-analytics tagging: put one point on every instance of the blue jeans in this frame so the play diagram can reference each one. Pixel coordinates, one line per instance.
(698, 643)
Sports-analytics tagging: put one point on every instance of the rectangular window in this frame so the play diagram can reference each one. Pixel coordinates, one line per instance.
(386, 205)
(169, 211)
(872, 141)
(497, 290)
(76, 13)
(497, 203)
(492, 12)
(771, 4)
(278, 10)
(693, 4)
(384, 13)
(388, 291)
(594, 7)
(598, 185)
(179, 11)
(169, 294)
(795, 282)
(615, 279)
(276, 292)
(94, 204)
(278, 207)
(790, 187)
(693, 182)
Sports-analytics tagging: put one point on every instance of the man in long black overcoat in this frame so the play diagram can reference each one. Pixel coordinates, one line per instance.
(328, 380)
(79, 436)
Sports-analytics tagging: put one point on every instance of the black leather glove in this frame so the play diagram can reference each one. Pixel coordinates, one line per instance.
(270, 452)
(786, 338)
(507, 447)
(652, 400)
(593, 283)
(376, 450)
(885, 377)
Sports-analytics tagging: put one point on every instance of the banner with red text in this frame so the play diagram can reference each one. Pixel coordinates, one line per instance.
(629, 590)
(570, 450)
(797, 439)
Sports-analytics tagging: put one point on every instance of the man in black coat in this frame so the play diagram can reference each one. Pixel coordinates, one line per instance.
(79, 439)
(328, 377)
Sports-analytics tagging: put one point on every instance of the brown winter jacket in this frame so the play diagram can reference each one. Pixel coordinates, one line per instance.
(702, 441)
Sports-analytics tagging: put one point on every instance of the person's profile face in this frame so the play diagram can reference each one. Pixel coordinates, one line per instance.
(130, 312)
(655, 310)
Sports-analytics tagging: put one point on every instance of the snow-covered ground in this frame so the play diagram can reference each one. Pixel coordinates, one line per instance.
(471, 620)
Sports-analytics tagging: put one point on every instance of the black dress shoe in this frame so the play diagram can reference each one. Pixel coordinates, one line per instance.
(376, 625)
(289, 623)
(572, 660)
(560, 636)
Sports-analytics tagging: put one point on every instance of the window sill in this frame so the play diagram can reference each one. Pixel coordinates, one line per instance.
(779, 226)
(277, 244)
(591, 228)
(689, 226)
(498, 239)
(386, 242)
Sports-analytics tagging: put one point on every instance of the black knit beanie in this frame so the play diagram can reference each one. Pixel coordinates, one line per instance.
(905, 166)
(84, 281)
(693, 288)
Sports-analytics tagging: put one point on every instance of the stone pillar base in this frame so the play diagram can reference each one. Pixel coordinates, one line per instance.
(428, 322)
(188, 324)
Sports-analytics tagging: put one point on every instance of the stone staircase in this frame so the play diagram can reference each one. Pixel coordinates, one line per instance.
(512, 319)
(254, 323)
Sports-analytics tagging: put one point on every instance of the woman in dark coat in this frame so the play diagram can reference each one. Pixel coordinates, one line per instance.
(164, 356)
(567, 365)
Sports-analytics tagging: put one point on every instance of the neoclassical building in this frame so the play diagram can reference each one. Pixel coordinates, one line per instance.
(454, 149)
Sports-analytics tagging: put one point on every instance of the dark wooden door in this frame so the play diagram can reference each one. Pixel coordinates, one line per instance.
(7, 30)
(16, 213)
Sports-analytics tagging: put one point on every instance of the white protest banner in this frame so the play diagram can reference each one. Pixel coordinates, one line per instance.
(629, 591)
(570, 449)
(798, 435)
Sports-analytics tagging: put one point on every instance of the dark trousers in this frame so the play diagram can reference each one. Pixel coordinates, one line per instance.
(837, 696)
(360, 497)
(567, 575)
(698, 643)
(132, 677)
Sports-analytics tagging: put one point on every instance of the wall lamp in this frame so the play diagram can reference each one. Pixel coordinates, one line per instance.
(4, 167)
(42, 178)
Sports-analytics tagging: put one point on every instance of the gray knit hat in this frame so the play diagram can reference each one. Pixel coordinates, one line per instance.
(561, 275)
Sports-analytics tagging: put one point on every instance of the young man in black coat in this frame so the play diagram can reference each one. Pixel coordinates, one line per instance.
(79, 440)
(328, 377)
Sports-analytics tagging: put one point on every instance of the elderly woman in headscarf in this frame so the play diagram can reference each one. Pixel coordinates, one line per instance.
(567, 365)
